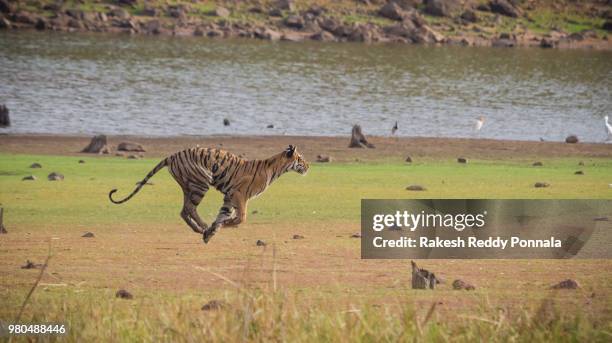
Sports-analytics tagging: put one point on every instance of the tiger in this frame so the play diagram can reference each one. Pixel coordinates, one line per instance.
(239, 180)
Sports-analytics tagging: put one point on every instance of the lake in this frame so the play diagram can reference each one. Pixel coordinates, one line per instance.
(162, 86)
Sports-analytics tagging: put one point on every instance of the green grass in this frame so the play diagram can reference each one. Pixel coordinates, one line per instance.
(328, 192)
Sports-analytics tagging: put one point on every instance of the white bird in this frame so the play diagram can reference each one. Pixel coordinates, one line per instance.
(394, 128)
(479, 123)
(609, 128)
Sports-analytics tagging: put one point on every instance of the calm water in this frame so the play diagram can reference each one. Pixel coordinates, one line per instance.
(93, 83)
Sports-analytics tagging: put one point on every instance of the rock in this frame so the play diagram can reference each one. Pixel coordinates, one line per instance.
(426, 35)
(316, 11)
(226, 122)
(356, 235)
(4, 24)
(152, 27)
(260, 243)
(29, 178)
(358, 139)
(607, 25)
(24, 18)
(484, 7)
(222, 12)
(5, 121)
(96, 145)
(292, 37)
(55, 177)
(88, 235)
(503, 43)
(460, 284)
(150, 11)
(323, 36)
(41, 24)
(118, 13)
(275, 12)
(547, 43)
(572, 139)
(504, 7)
(270, 126)
(392, 11)
(566, 284)
(133, 157)
(404, 29)
(541, 185)
(440, 8)
(324, 159)
(295, 22)
(408, 159)
(35, 165)
(364, 33)
(469, 16)
(286, 5)
(213, 305)
(31, 265)
(462, 160)
(415, 188)
(6, 7)
(177, 11)
(81, 161)
(580, 163)
(74, 13)
(298, 237)
(123, 294)
(130, 146)
(537, 164)
(579, 172)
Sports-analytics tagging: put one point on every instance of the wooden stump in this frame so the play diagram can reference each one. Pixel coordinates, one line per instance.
(422, 279)
(5, 121)
(358, 139)
(97, 145)
(2, 228)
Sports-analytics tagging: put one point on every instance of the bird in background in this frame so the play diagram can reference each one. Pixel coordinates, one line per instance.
(608, 128)
(479, 123)
(394, 128)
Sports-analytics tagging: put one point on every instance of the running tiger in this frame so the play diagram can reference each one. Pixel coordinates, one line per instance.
(197, 169)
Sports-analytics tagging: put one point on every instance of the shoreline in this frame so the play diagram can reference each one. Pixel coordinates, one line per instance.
(249, 146)
(483, 25)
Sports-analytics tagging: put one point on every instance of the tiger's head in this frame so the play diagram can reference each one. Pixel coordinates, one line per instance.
(295, 160)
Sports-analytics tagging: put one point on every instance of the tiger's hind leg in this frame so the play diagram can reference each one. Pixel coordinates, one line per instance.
(225, 214)
(192, 198)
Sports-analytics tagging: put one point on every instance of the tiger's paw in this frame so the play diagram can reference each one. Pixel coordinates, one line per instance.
(208, 235)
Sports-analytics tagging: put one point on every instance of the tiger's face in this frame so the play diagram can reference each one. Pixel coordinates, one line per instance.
(296, 160)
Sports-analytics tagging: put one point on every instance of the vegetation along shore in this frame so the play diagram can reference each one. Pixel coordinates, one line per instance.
(499, 23)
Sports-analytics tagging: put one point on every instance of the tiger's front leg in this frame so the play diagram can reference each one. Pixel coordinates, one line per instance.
(224, 218)
(241, 213)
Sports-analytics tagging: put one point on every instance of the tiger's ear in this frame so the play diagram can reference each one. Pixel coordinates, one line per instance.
(290, 150)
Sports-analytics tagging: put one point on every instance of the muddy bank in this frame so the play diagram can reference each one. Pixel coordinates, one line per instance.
(499, 23)
(336, 147)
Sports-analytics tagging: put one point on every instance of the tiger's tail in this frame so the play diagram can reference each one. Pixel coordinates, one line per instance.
(157, 168)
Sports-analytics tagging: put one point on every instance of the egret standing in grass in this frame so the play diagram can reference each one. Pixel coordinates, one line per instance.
(479, 123)
(608, 128)
(394, 128)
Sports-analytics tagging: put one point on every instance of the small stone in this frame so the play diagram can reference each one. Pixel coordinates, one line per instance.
(298, 237)
(132, 157)
(462, 160)
(81, 161)
(537, 164)
(29, 178)
(213, 305)
(226, 122)
(541, 185)
(123, 294)
(88, 234)
(356, 235)
(324, 159)
(566, 284)
(55, 177)
(408, 159)
(415, 188)
(35, 165)
(580, 163)
(270, 126)
(260, 243)
(579, 172)
(572, 139)
(255, 212)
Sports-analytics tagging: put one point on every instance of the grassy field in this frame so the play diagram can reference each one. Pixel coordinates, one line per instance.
(317, 287)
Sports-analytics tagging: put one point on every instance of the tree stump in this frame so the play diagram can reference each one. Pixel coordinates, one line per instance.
(2, 228)
(97, 145)
(423, 279)
(358, 139)
(4, 116)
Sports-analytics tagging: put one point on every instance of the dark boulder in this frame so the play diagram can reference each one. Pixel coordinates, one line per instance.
(55, 177)
(393, 11)
(441, 8)
(130, 146)
(504, 7)
(295, 22)
(323, 36)
(96, 145)
(572, 139)
(469, 16)
(123, 294)
(607, 25)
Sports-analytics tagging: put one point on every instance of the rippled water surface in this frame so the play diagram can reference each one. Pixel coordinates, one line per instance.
(94, 83)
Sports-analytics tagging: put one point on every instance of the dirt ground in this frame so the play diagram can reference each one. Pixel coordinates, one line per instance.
(336, 147)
